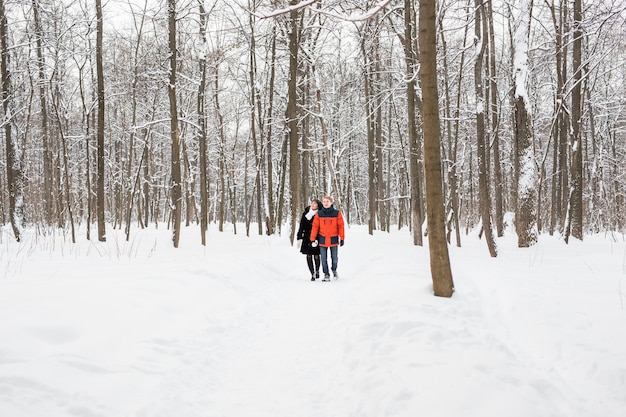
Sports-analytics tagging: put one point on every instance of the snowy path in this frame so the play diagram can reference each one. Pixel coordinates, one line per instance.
(182, 332)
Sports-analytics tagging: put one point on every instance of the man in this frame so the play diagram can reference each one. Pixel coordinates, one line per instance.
(328, 231)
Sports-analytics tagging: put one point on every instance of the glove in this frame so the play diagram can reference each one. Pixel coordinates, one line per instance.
(341, 243)
(314, 243)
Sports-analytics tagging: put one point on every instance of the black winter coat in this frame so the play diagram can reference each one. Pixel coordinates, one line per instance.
(303, 234)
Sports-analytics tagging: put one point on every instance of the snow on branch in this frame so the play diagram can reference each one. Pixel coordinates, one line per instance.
(285, 10)
(348, 18)
(360, 17)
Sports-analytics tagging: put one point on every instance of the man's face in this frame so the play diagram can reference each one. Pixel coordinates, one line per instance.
(326, 202)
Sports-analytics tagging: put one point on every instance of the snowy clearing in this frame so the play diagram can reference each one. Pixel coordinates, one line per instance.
(237, 328)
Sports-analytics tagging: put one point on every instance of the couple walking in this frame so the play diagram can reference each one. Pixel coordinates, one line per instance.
(321, 230)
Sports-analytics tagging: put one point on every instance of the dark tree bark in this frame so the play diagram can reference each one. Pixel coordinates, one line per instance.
(222, 150)
(292, 120)
(413, 109)
(258, 154)
(483, 165)
(441, 272)
(175, 182)
(15, 177)
(560, 178)
(575, 223)
(452, 136)
(494, 111)
(271, 221)
(100, 192)
(202, 134)
(47, 153)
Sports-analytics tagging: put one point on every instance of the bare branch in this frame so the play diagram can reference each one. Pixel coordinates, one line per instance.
(357, 18)
(285, 10)
(348, 18)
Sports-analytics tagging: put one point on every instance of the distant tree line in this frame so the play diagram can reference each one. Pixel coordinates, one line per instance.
(127, 114)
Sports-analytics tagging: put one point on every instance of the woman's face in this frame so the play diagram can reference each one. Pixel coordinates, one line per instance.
(314, 205)
(327, 203)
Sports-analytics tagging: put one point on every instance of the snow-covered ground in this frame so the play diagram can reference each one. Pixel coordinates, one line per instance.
(237, 329)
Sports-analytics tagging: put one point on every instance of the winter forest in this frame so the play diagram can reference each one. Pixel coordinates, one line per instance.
(130, 113)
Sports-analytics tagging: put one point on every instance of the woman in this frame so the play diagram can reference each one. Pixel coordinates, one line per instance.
(328, 231)
(312, 252)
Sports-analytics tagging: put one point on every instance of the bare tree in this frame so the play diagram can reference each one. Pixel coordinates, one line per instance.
(100, 191)
(292, 119)
(494, 115)
(15, 179)
(413, 108)
(367, 47)
(255, 105)
(441, 272)
(526, 216)
(202, 131)
(47, 154)
(483, 165)
(575, 220)
(176, 181)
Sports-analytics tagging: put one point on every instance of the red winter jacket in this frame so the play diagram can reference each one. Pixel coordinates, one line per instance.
(328, 227)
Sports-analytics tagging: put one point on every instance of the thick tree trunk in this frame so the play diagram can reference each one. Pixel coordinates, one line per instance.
(441, 272)
(525, 161)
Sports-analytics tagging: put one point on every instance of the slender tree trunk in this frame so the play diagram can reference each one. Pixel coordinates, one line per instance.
(452, 138)
(202, 134)
(47, 154)
(495, 122)
(87, 127)
(258, 150)
(371, 130)
(284, 154)
(575, 223)
(413, 107)
(222, 150)
(15, 178)
(378, 137)
(483, 173)
(441, 272)
(176, 181)
(560, 180)
(100, 196)
(271, 222)
(292, 120)
(129, 173)
(327, 145)
(66, 176)
(133, 192)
